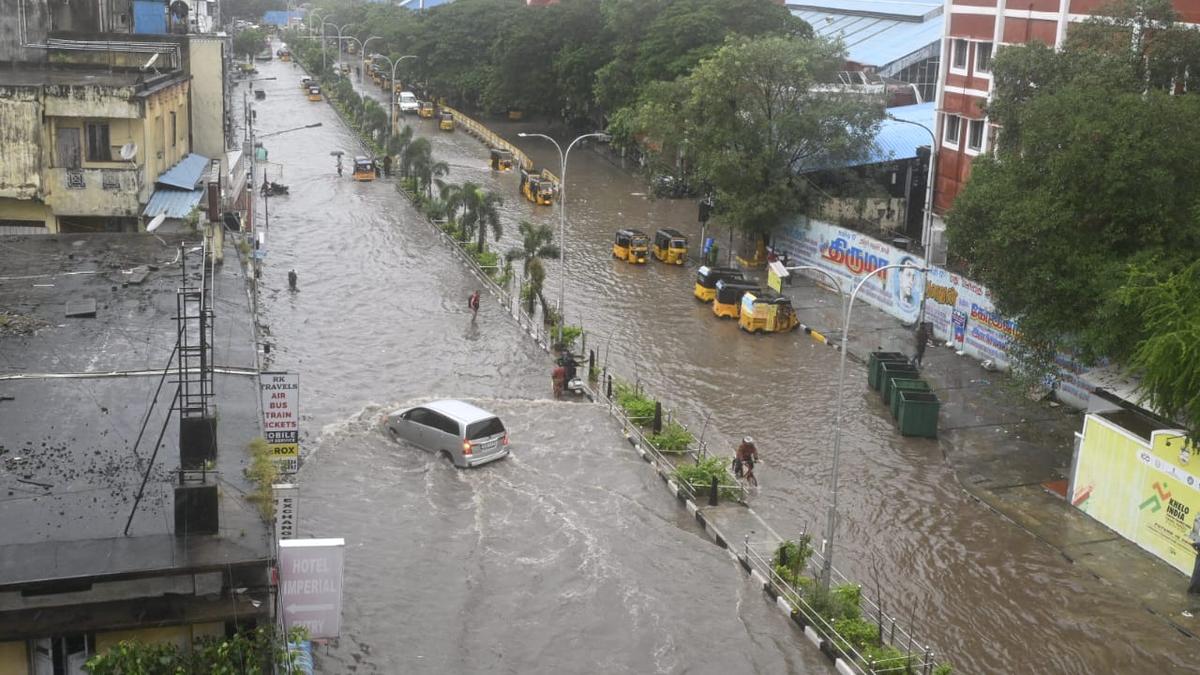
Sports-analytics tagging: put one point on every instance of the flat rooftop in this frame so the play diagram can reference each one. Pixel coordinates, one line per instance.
(28, 75)
(75, 391)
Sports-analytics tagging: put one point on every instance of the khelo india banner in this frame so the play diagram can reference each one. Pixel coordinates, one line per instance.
(1148, 491)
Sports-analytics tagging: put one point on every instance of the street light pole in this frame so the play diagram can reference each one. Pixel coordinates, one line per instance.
(562, 218)
(323, 22)
(831, 523)
(927, 224)
(363, 56)
(392, 90)
(312, 19)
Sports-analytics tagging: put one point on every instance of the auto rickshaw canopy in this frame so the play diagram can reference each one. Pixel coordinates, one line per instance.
(364, 163)
(628, 237)
(709, 276)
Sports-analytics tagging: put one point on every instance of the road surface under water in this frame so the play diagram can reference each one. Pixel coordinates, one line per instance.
(569, 556)
(989, 596)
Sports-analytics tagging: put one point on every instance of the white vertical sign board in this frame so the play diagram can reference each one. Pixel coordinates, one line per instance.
(287, 509)
(280, 394)
(310, 585)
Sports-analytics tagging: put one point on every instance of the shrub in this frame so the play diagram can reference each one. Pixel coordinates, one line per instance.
(263, 472)
(488, 261)
(891, 661)
(570, 334)
(857, 633)
(674, 438)
(794, 554)
(636, 406)
(700, 475)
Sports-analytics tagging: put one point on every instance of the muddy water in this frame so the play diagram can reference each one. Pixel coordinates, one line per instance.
(569, 556)
(983, 592)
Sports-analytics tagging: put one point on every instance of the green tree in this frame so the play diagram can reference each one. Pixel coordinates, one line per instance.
(537, 241)
(250, 42)
(1091, 193)
(749, 117)
(251, 652)
(478, 211)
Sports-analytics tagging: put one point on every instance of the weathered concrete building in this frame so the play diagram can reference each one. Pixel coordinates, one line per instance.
(84, 147)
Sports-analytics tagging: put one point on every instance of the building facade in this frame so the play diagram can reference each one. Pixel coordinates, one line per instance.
(975, 29)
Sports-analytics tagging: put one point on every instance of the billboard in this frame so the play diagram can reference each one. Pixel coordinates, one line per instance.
(310, 585)
(280, 398)
(1148, 491)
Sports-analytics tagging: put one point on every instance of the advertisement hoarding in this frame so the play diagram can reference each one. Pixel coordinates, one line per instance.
(280, 397)
(310, 585)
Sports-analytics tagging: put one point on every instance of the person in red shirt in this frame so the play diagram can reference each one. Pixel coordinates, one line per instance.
(473, 303)
(558, 377)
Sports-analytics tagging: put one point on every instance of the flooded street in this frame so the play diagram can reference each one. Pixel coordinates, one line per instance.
(570, 552)
(567, 553)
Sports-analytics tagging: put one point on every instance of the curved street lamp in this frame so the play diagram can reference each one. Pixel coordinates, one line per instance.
(323, 22)
(392, 90)
(562, 217)
(311, 19)
(362, 46)
(831, 523)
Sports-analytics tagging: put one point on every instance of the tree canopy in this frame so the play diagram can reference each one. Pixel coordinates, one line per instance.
(747, 118)
(1092, 194)
(250, 42)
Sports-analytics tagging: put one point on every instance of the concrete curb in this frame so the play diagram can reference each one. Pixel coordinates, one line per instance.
(719, 539)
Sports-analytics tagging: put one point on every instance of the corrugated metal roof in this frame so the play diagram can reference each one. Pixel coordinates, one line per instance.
(186, 174)
(895, 140)
(878, 38)
(173, 203)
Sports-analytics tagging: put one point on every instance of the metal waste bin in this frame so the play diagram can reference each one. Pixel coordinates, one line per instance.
(919, 413)
(875, 360)
(892, 369)
(897, 386)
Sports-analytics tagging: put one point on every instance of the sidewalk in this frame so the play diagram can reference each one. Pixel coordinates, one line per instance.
(1003, 447)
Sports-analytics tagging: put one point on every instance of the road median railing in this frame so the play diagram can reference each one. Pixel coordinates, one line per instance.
(846, 624)
(492, 139)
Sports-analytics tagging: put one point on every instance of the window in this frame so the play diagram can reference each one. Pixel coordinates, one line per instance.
(174, 130)
(68, 147)
(983, 57)
(950, 135)
(975, 135)
(440, 421)
(98, 149)
(960, 54)
(485, 429)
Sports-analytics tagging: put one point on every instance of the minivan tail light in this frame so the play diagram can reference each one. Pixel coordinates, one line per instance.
(504, 441)
(466, 447)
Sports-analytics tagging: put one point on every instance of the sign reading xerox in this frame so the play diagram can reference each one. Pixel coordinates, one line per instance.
(280, 393)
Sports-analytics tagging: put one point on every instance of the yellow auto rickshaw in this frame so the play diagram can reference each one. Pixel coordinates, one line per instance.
(446, 121)
(285, 55)
(670, 246)
(767, 312)
(538, 188)
(425, 109)
(631, 246)
(501, 159)
(707, 278)
(314, 93)
(364, 169)
(728, 302)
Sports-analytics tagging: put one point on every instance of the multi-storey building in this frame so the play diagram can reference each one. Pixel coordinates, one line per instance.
(975, 29)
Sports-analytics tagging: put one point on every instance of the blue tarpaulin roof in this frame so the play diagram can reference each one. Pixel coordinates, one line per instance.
(173, 203)
(895, 140)
(279, 17)
(186, 174)
(887, 35)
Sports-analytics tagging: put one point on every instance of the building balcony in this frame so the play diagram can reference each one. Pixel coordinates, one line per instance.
(94, 192)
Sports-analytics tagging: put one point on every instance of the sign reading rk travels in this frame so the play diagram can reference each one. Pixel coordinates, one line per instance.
(280, 394)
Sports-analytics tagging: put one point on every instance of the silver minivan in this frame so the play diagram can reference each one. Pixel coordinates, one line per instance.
(469, 435)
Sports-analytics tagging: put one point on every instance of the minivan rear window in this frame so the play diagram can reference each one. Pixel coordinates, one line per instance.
(485, 428)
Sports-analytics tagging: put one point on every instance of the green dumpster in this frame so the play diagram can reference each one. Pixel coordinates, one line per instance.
(919, 413)
(875, 360)
(892, 369)
(897, 386)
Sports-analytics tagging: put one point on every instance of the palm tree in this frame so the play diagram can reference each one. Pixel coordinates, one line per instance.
(419, 160)
(537, 241)
(398, 144)
(418, 147)
(532, 290)
(480, 211)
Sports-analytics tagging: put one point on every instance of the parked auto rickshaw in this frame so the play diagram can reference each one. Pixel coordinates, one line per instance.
(425, 109)
(670, 246)
(728, 302)
(305, 83)
(446, 121)
(314, 93)
(364, 168)
(767, 312)
(351, 48)
(707, 278)
(501, 159)
(538, 188)
(285, 55)
(632, 246)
